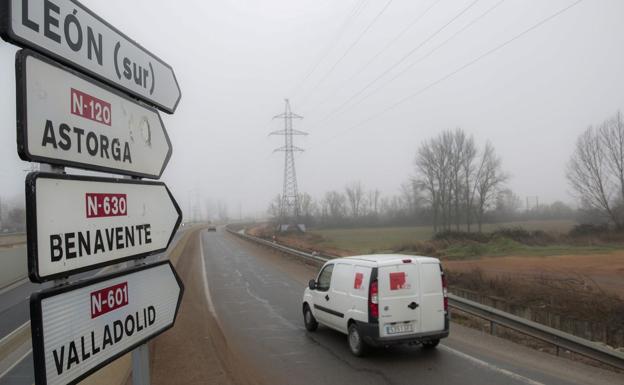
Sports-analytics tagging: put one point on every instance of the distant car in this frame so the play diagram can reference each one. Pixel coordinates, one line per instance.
(380, 300)
(212, 228)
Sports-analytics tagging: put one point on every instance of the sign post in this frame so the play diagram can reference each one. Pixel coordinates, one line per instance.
(78, 223)
(70, 33)
(86, 98)
(80, 327)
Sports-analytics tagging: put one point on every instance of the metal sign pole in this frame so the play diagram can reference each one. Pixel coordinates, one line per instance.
(140, 365)
(140, 355)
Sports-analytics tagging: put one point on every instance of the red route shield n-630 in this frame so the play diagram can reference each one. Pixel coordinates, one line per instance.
(79, 223)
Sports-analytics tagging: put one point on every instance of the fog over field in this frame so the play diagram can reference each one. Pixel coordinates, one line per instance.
(237, 60)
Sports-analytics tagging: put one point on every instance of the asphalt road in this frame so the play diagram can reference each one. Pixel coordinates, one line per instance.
(256, 296)
(14, 311)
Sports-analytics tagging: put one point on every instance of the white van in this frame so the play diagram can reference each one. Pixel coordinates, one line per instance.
(380, 300)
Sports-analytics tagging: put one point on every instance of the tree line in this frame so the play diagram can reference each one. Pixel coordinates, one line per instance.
(456, 185)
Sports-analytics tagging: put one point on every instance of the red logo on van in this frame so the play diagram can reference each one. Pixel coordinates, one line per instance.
(359, 277)
(397, 281)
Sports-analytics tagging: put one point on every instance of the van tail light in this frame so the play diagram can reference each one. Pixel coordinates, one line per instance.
(373, 300)
(444, 289)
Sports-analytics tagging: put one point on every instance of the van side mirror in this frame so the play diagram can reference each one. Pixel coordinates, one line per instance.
(312, 284)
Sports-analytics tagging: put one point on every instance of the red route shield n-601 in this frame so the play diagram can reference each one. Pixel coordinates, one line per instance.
(81, 327)
(79, 223)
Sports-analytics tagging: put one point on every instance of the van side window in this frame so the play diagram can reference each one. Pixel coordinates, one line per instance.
(322, 284)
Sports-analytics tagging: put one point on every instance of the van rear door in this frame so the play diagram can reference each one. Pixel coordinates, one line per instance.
(399, 299)
(431, 297)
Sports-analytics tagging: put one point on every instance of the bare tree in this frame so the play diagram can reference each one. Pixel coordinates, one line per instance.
(274, 207)
(427, 178)
(489, 180)
(508, 203)
(334, 204)
(307, 207)
(373, 201)
(355, 194)
(446, 171)
(589, 173)
(469, 173)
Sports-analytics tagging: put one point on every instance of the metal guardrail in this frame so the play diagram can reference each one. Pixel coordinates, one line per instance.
(559, 339)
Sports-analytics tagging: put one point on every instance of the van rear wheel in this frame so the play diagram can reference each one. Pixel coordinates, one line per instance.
(356, 344)
(431, 344)
(308, 319)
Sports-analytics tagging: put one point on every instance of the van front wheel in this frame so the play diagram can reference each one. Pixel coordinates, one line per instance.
(308, 319)
(356, 343)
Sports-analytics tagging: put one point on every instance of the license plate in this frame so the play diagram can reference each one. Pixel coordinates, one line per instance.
(399, 328)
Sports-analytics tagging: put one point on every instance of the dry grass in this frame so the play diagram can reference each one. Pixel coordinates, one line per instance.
(569, 299)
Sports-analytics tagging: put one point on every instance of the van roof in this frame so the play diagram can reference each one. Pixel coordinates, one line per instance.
(386, 259)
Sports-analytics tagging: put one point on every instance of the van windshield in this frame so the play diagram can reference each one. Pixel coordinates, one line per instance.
(325, 278)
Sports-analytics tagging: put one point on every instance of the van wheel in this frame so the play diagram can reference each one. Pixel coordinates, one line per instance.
(431, 344)
(308, 319)
(356, 343)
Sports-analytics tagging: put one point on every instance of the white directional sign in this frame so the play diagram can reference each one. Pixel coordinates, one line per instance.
(78, 328)
(70, 33)
(78, 223)
(67, 119)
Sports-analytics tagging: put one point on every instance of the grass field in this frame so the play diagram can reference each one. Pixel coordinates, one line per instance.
(379, 239)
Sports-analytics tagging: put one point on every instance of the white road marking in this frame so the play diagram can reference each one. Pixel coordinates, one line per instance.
(14, 285)
(204, 276)
(14, 364)
(492, 367)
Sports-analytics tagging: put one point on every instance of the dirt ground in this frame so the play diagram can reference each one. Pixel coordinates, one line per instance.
(606, 270)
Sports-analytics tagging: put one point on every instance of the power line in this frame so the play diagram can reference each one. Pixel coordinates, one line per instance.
(403, 58)
(368, 27)
(459, 69)
(379, 53)
(413, 64)
(355, 11)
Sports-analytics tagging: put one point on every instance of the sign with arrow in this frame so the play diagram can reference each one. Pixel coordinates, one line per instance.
(67, 119)
(79, 328)
(69, 32)
(78, 223)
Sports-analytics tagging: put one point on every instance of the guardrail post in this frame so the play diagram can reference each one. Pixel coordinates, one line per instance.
(492, 327)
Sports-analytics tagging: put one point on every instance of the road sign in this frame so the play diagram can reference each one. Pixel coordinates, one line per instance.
(81, 327)
(72, 34)
(65, 118)
(78, 223)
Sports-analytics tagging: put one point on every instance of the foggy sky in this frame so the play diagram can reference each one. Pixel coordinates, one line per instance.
(237, 60)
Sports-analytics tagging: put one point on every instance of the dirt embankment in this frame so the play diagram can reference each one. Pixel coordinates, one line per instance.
(603, 270)
(195, 350)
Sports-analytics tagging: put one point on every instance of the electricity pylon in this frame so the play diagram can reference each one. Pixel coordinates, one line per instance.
(289, 204)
